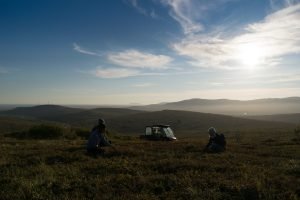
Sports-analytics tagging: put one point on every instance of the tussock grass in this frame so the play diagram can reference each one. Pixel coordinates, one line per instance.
(256, 168)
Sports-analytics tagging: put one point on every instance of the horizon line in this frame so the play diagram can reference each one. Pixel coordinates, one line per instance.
(140, 104)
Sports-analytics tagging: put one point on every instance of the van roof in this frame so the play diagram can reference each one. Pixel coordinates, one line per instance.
(159, 125)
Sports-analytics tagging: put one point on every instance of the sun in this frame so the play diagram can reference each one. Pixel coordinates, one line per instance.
(251, 56)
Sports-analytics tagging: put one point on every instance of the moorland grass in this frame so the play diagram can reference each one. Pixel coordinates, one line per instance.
(251, 168)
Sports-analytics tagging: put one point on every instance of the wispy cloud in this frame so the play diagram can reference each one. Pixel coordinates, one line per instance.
(79, 49)
(277, 4)
(119, 72)
(141, 10)
(190, 13)
(135, 4)
(262, 43)
(138, 59)
(115, 73)
(153, 14)
(182, 11)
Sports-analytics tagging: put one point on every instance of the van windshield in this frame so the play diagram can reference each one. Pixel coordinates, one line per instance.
(169, 132)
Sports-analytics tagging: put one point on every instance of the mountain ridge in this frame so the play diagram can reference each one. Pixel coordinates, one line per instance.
(265, 106)
(134, 121)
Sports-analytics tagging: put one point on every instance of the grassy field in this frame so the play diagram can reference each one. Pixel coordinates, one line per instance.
(255, 167)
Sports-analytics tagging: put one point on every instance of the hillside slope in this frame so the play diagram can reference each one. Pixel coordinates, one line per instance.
(41, 112)
(186, 121)
(73, 116)
(231, 107)
(134, 122)
(88, 118)
(289, 118)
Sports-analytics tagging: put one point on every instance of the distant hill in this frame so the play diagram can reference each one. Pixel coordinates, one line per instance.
(41, 112)
(186, 121)
(289, 118)
(231, 107)
(89, 117)
(133, 122)
(73, 116)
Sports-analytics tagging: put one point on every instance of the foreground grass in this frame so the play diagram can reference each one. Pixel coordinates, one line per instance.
(59, 169)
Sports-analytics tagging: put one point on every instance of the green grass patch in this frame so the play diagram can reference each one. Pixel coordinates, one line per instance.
(139, 169)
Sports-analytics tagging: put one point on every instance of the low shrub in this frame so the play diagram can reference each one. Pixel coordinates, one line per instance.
(41, 131)
(45, 132)
(82, 133)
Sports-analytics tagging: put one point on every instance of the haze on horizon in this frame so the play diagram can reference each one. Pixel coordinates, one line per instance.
(133, 51)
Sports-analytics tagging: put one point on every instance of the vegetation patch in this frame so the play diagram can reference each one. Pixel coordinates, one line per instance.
(41, 131)
(139, 169)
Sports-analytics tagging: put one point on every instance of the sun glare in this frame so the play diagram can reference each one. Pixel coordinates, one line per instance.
(250, 56)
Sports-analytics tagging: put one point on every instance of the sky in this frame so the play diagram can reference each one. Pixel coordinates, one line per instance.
(118, 52)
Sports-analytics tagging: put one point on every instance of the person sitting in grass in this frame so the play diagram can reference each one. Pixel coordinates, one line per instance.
(217, 142)
(97, 139)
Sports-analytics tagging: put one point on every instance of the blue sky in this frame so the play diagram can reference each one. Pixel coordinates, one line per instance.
(147, 51)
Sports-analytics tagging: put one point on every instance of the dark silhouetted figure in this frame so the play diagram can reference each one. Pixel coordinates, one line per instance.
(97, 139)
(217, 142)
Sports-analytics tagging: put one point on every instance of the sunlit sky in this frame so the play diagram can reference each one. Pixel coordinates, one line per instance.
(147, 51)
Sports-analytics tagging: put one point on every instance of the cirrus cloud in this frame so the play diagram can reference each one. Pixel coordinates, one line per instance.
(137, 59)
(266, 42)
(115, 73)
(141, 10)
(79, 49)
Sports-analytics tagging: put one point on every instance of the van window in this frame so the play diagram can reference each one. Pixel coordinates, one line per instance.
(148, 131)
(169, 132)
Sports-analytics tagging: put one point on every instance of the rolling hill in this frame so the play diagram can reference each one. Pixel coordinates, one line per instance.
(88, 118)
(231, 107)
(73, 116)
(41, 112)
(133, 122)
(187, 121)
(289, 118)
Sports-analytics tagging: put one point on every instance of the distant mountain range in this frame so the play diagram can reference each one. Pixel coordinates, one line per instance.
(134, 121)
(231, 107)
(74, 116)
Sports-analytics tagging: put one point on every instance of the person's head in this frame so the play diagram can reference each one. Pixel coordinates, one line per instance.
(101, 125)
(101, 128)
(212, 132)
(101, 121)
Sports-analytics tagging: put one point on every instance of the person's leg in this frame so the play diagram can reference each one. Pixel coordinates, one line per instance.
(215, 148)
(92, 152)
(95, 152)
(100, 151)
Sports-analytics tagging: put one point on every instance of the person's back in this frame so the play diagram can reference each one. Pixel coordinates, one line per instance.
(94, 139)
(219, 139)
(97, 139)
(217, 142)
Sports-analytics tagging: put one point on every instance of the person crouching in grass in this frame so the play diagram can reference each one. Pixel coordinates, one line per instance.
(97, 139)
(217, 142)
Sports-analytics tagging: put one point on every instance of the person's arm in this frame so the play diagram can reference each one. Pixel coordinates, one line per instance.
(104, 141)
(208, 144)
(93, 141)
